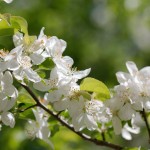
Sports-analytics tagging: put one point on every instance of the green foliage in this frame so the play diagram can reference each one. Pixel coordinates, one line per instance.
(24, 101)
(11, 24)
(98, 88)
(24, 97)
(48, 64)
(44, 68)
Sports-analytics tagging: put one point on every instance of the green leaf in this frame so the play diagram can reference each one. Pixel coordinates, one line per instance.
(5, 26)
(11, 24)
(47, 64)
(54, 129)
(27, 114)
(19, 23)
(98, 88)
(24, 97)
(41, 74)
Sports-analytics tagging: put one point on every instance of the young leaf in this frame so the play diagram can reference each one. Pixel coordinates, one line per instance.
(17, 21)
(11, 24)
(47, 64)
(24, 97)
(5, 26)
(98, 88)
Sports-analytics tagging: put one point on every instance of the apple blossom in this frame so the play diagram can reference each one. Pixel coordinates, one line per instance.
(40, 127)
(8, 95)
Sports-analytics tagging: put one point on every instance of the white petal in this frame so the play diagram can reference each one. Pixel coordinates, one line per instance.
(75, 108)
(41, 33)
(147, 106)
(126, 112)
(117, 125)
(137, 106)
(37, 58)
(134, 129)
(126, 135)
(78, 122)
(65, 62)
(68, 60)
(3, 102)
(10, 103)
(132, 68)
(54, 96)
(44, 133)
(61, 105)
(18, 39)
(46, 54)
(81, 74)
(10, 91)
(13, 64)
(8, 119)
(90, 122)
(122, 77)
(54, 73)
(19, 74)
(7, 78)
(114, 103)
(32, 75)
(3, 66)
(42, 86)
(144, 74)
(8, 1)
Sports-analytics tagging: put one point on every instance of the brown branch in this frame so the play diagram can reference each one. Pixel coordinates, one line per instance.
(103, 136)
(28, 108)
(146, 122)
(85, 137)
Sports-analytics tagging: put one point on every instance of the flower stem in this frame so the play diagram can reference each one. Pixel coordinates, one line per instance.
(63, 122)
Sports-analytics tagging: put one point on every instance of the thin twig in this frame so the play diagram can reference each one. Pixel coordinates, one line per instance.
(28, 108)
(103, 136)
(146, 122)
(85, 137)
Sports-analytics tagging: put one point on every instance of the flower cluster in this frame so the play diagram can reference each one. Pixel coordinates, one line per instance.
(40, 127)
(62, 91)
(8, 94)
(130, 97)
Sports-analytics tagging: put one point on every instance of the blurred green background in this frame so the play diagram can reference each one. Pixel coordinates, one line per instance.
(100, 34)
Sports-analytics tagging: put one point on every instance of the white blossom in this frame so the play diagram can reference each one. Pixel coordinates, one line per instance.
(140, 81)
(87, 113)
(127, 130)
(39, 128)
(21, 65)
(8, 95)
(8, 1)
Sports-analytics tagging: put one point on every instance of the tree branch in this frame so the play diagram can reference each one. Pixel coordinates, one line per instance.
(28, 108)
(84, 136)
(146, 122)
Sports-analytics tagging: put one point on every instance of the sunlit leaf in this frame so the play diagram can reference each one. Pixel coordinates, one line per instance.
(24, 97)
(99, 89)
(11, 24)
